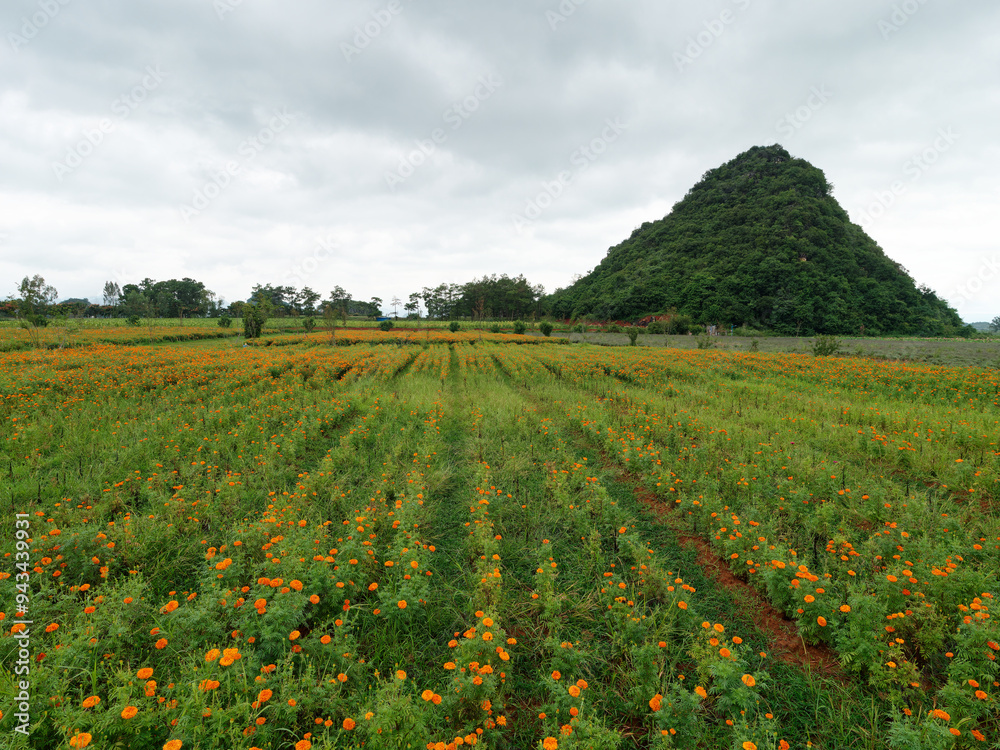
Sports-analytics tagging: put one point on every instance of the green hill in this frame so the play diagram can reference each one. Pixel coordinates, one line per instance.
(759, 241)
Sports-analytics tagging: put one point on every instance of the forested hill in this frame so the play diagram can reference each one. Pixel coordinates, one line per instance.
(761, 241)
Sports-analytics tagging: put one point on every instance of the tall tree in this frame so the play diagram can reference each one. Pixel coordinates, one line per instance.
(36, 298)
(112, 293)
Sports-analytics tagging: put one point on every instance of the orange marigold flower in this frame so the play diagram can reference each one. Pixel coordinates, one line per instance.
(400, 674)
(701, 691)
(845, 608)
(129, 712)
(402, 604)
(314, 599)
(821, 621)
(574, 691)
(305, 744)
(748, 680)
(349, 724)
(264, 695)
(556, 675)
(161, 644)
(52, 627)
(91, 701)
(294, 635)
(212, 655)
(145, 673)
(172, 745)
(80, 740)
(724, 653)
(654, 702)
(748, 745)
(550, 743)
(682, 605)
(427, 695)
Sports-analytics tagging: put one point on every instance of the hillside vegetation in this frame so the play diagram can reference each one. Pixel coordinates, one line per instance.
(760, 241)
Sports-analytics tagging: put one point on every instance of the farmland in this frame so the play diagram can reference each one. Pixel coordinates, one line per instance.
(497, 541)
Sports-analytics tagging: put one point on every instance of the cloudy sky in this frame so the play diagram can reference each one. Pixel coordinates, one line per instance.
(389, 145)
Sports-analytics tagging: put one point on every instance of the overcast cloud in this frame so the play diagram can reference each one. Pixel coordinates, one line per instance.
(390, 145)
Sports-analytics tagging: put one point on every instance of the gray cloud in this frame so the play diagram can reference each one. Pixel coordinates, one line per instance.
(366, 86)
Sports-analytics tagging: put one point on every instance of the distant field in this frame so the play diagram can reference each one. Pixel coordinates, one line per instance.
(960, 352)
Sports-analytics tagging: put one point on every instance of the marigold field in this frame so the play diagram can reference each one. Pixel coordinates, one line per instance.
(496, 541)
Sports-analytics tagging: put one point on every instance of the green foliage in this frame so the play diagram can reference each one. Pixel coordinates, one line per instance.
(754, 345)
(579, 328)
(613, 328)
(254, 318)
(705, 341)
(225, 321)
(309, 324)
(633, 334)
(133, 320)
(761, 241)
(495, 328)
(825, 346)
(995, 325)
(520, 327)
(545, 327)
(453, 326)
(386, 325)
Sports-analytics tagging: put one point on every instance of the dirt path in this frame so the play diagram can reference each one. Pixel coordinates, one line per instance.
(782, 633)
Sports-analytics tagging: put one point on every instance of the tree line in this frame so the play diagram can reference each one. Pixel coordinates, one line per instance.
(491, 297)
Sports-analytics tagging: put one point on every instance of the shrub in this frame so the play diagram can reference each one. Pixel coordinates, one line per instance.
(133, 320)
(705, 341)
(580, 328)
(754, 345)
(309, 324)
(254, 317)
(633, 334)
(656, 327)
(495, 328)
(825, 346)
(613, 328)
(225, 321)
(520, 327)
(386, 325)
(453, 326)
(545, 327)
